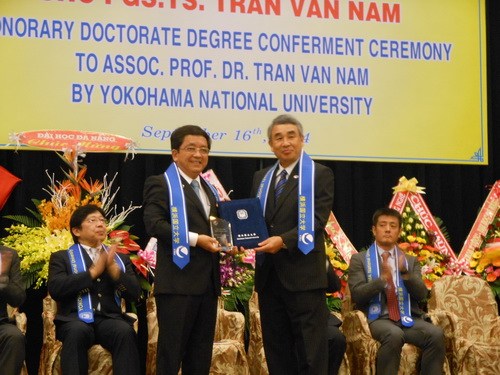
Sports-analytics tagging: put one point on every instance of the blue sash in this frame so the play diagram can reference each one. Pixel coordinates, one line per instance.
(84, 301)
(305, 198)
(306, 204)
(178, 217)
(373, 272)
(214, 190)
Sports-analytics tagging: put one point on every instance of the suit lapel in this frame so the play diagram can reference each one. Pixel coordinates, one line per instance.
(211, 198)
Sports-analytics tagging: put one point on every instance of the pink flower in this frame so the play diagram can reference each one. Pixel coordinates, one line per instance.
(249, 257)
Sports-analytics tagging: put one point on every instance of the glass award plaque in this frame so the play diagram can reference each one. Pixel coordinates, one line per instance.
(221, 231)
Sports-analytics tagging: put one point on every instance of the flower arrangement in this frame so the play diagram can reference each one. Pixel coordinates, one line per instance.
(334, 300)
(485, 261)
(36, 238)
(416, 241)
(237, 279)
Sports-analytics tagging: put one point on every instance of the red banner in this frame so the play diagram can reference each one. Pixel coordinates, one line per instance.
(480, 228)
(339, 239)
(60, 140)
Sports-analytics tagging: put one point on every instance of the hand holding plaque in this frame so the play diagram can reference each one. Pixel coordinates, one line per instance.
(221, 231)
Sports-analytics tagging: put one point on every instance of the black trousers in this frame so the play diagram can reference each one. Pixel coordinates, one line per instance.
(115, 335)
(186, 333)
(12, 349)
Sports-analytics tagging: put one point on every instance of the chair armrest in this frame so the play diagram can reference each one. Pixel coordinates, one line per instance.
(136, 321)
(355, 326)
(48, 315)
(446, 320)
(18, 317)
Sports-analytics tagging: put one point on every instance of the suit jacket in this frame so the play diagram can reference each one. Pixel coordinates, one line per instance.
(11, 292)
(296, 271)
(64, 286)
(362, 291)
(202, 271)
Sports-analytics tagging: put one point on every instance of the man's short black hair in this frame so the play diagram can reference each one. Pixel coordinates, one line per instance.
(386, 211)
(80, 214)
(179, 134)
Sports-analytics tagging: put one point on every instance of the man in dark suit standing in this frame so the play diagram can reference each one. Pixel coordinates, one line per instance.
(290, 272)
(12, 341)
(177, 206)
(386, 284)
(87, 281)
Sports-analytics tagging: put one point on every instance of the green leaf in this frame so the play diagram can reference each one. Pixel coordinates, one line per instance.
(334, 303)
(37, 215)
(29, 278)
(145, 285)
(23, 219)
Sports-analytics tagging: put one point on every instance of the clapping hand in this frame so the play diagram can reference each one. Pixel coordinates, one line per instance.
(111, 266)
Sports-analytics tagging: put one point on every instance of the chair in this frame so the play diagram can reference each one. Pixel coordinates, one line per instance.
(362, 347)
(100, 362)
(256, 355)
(228, 355)
(22, 324)
(465, 308)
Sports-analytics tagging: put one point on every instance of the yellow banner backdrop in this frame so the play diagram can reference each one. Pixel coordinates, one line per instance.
(370, 80)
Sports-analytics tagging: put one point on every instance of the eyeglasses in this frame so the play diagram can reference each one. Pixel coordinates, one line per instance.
(96, 220)
(192, 150)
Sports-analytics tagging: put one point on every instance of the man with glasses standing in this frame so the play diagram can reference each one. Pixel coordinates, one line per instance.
(87, 281)
(177, 205)
(297, 196)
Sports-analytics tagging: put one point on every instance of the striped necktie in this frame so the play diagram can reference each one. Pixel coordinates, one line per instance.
(280, 185)
(390, 292)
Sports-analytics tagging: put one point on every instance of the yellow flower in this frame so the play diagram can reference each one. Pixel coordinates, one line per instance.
(477, 255)
(421, 240)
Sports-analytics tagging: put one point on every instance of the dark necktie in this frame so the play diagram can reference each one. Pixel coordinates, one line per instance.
(280, 185)
(390, 292)
(196, 187)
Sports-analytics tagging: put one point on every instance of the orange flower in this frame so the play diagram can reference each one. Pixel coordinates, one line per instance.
(404, 246)
(92, 187)
(428, 283)
(491, 277)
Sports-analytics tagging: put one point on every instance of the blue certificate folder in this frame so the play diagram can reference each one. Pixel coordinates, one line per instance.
(247, 221)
